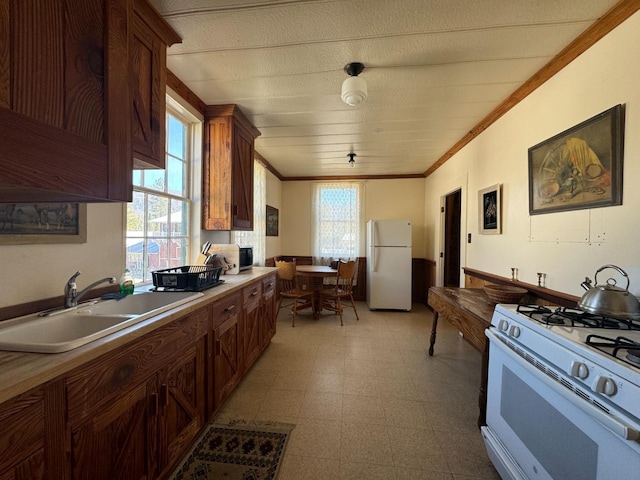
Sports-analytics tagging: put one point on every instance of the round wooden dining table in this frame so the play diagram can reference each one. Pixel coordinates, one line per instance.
(317, 274)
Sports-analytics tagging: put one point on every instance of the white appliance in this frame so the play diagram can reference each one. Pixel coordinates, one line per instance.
(389, 264)
(563, 395)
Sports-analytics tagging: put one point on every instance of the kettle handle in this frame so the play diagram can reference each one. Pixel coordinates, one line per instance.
(624, 274)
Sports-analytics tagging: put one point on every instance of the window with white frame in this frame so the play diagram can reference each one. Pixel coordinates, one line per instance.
(157, 232)
(337, 223)
(256, 237)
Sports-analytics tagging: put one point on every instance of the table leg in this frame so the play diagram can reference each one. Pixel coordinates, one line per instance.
(484, 376)
(434, 327)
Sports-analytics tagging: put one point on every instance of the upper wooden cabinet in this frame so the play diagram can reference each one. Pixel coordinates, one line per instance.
(65, 99)
(227, 172)
(151, 36)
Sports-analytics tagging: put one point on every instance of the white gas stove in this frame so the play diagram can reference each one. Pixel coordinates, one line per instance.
(580, 375)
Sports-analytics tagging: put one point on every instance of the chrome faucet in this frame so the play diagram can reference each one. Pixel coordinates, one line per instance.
(71, 294)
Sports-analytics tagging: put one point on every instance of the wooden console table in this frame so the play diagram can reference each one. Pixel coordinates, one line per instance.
(470, 311)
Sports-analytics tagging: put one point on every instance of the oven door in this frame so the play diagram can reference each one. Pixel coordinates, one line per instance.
(538, 427)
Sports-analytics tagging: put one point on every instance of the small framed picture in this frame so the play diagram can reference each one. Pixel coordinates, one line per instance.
(272, 221)
(489, 214)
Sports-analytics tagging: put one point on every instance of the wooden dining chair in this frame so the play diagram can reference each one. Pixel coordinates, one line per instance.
(330, 298)
(289, 288)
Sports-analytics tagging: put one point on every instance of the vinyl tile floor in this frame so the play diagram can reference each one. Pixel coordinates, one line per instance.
(367, 400)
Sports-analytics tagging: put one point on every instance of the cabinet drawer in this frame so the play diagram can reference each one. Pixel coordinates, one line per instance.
(269, 285)
(225, 309)
(95, 385)
(252, 295)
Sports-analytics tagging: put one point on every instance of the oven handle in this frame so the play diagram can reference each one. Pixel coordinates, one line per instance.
(614, 424)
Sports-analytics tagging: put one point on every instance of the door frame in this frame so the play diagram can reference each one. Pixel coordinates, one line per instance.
(459, 183)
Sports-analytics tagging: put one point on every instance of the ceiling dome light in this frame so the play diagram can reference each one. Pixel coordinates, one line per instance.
(354, 88)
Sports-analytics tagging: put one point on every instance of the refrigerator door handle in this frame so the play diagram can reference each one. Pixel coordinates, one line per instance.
(373, 259)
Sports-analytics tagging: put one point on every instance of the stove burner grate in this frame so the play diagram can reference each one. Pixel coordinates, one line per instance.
(617, 347)
(574, 318)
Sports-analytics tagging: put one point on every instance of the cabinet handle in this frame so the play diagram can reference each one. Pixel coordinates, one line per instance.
(165, 394)
(254, 293)
(230, 307)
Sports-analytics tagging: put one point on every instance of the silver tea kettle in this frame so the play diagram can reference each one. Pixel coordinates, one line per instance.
(608, 299)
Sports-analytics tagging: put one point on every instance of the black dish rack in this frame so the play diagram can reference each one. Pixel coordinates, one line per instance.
(188, 278)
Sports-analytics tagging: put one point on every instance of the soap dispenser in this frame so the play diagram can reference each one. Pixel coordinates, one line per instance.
(126, 283)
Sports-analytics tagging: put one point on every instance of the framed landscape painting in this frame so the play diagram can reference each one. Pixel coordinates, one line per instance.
(580, 167)
(31, 223)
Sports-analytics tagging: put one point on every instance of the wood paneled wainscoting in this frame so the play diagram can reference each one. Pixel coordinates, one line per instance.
(422, 275)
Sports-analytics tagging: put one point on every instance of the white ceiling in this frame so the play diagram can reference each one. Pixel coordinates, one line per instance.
(434, 69)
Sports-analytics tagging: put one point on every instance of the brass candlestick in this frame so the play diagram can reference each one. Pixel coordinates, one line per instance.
(541, 279)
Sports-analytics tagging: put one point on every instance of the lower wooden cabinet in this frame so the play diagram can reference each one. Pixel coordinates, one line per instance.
(226, 342)
(252, 318)
(268, 309)
(22, 438)
(132, 413)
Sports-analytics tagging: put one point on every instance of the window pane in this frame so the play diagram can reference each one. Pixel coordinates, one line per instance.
(154, 179)
(176, 133)
(179, 212)
(135, 215)
(176, 176)
(137, 178)
(158, 216)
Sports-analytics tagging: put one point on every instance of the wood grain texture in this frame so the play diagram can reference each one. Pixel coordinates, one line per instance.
(102, 381)
(22, 433)
(227, 360)
(216, 174)
(178, 86)
(251, 324)
(84, 69)
(37, 75)
(5, 59)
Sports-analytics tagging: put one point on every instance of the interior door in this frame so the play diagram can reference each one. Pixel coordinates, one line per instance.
(452, 212)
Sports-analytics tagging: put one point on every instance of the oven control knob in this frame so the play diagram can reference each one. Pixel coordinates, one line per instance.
(579, 370)
(514, 331)
(503, 325)
(605, 385)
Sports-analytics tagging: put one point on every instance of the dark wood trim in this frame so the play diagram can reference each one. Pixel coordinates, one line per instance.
(422, 278)
(175, 84)
(156, 22)
(550, 296)
(352, 177)
(605, 24)
(268, 166)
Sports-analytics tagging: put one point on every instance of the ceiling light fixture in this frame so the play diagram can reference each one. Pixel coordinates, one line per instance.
(352, 159)
(354, 88)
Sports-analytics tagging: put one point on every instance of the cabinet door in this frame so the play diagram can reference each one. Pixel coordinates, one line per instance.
(252, 319)
(120, 441)
(242, 179)
(64, 97)
(227, 361)
(148, 92)
(182, 396)
(268, 309)
(22, 438)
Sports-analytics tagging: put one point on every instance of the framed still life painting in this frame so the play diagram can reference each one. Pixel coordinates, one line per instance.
(580, 167)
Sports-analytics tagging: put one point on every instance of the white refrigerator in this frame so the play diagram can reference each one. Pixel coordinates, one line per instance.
(389, 264)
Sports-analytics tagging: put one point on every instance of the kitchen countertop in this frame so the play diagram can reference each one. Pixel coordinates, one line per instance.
(20, 372)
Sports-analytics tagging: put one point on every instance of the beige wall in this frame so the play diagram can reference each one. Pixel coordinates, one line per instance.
(566, 246)
(274, 195)
(33, 272)
(384, 199)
